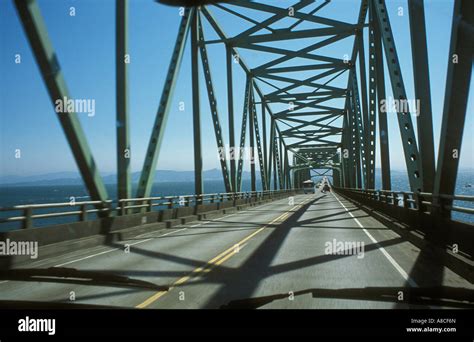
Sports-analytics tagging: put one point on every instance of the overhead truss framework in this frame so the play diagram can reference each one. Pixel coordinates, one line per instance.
(314, 103)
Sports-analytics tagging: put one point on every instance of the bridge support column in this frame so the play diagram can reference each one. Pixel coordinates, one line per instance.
(198, 186)
(253, 185)
(381, 98)
(265, 153)
(455, 100)
(409, 142)
(123, 138)
(230, 109)
(422, 92)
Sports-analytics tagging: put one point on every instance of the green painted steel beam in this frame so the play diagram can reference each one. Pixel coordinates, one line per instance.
(265, 24)
(215, 25)
(197, 136)
(313, 104)
(243, 131)
(230, 109)
(297, 129)
(345, 149)
(36, 32)
(286, 35)
(288, 170)
(265, 151)
(289, 54)
(356, 150)
(300, 21)
(422, 92)
(123, 136)
(330, 145)
(381, 97)
(312, 133)
(251, 113)
(258, 140)
(214, 112)
(328, 95)
(296, 14)
(321, 117)
(306, 82)
(280, 161)
(271, 150)
(278, 173)
(312, 140)
(238, 14)
(458, 82)
(371, 130)
(362, 92)
(210, 18)
(292, 116)
(407, 133)
(151, 158)
(310, 67)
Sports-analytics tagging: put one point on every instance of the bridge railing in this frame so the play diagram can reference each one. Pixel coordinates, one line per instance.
(27, 215)
(149, 203)
(422, 201)
(426, 220)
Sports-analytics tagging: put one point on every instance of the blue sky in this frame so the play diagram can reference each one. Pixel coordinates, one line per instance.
(85, 46)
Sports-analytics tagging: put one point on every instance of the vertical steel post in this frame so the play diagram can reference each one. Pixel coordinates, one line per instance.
(198, 186)
(381, 97)
(455, 99)
(422, 92)
(364, 108)
(265, 154)
(371, 131)
(282, 174)
(251, 137)
(243, 131)
(275, 158)
(361, 157)
(230, 109)
(409, 143)
(122, 122)
(271, 152)
(261, 162)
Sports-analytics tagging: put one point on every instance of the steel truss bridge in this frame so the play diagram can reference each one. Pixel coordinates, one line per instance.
(305, 112)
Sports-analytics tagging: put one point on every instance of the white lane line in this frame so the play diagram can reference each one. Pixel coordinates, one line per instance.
(116, 249)
(200, 224)
(138, 242)
(395, 264)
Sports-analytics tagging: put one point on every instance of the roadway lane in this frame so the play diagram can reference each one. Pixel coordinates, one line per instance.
(293, 257)
(270, 249)
(158, 257)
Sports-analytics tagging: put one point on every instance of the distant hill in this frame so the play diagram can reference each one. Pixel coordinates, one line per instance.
(74, 178)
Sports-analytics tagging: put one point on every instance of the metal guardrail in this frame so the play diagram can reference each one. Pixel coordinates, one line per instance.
(417, 200)
(125, 206)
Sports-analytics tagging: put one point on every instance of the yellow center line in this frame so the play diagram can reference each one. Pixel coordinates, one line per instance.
(219, 259)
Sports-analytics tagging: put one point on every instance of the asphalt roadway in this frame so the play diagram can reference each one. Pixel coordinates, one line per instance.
(280, 249)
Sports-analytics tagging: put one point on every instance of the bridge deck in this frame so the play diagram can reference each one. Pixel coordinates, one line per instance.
(265, 250)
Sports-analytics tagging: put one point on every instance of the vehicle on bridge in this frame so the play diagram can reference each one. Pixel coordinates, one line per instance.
(308, 187)
(325, 188)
